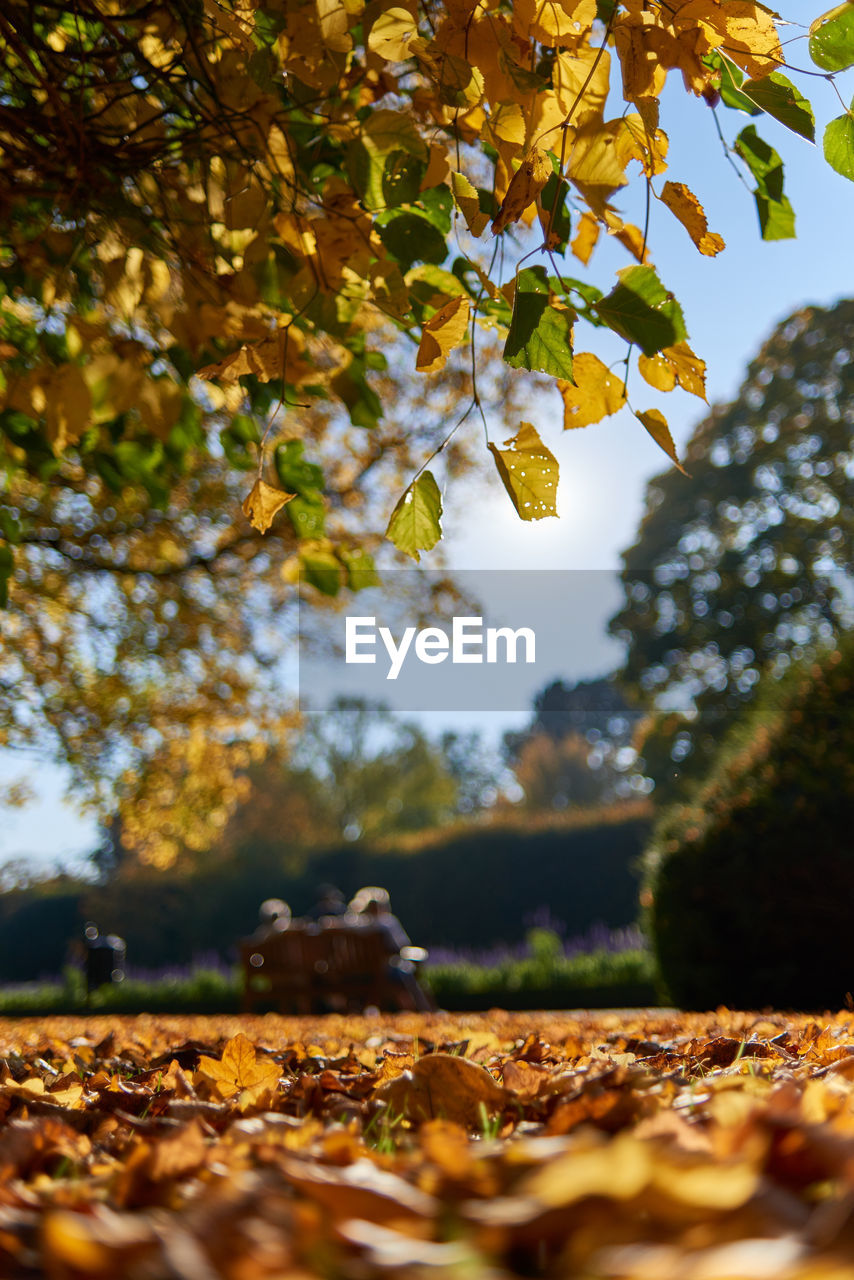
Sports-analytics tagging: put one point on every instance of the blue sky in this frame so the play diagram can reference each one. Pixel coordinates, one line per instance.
(730, 303)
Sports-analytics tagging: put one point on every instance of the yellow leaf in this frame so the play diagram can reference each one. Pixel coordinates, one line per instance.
(507, 124)
(526, 184)
(238, 1071)
(585, 237)
(529, 473)
(466, 198)
(644, 73)
(618, 1169)
(657, 371)
(627, 234)
(334, 25)
(554, 22)
(391, 34)
(68, 407)
(685, 206)
(656, 424)
(746, 30)
(581, 82)
(594, 394)
(262, 503)
(598, 161)
(690, 369)
(264, 359)
(441, 333)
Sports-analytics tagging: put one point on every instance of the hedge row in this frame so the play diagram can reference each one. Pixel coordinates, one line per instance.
(475, 888)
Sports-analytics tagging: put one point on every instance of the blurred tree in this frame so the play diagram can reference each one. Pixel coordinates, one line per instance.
(746, 566)
(578, 749)
(556, 773)
(378, 774)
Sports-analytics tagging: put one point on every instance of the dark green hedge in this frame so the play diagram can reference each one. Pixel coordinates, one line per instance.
(752, 880)
(474, 888)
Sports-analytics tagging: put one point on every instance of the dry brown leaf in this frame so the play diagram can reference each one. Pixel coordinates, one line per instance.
(444, 1087)
(262, 503)
(525, 185)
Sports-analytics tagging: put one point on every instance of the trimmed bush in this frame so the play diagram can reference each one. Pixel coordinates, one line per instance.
(752, 880)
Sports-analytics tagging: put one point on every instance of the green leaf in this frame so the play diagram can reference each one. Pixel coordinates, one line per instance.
(776, 215)
(296, 474)
(410, 238)
(363, 403)
(641, 310)
(383, 134)
(529, 473)
(730, 90)
(779, 98)
(361, 571)
(540, 336)
(554, 196)
(308, 517)
(415, 522)
(401, 180)
(839, 145)
(322, 569)
(832, 39)
(435, 204)
(239, 442)
(10, 527)
(7, 564)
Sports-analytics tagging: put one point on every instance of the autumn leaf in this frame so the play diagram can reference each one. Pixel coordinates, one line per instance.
(69, 405)
(745, 29)
(441, 334)
(391, 34)
(529, 473)
(442, 1086)
(656, 424)
(657, 371)
(468, 203)
(593, 394)
(586, 237)
(415, 522)
(674, 366)
(240, 1072)
(685, 206)
(261, 504)
(525, 185)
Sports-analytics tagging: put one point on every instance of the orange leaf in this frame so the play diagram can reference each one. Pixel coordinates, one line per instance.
(685, 206)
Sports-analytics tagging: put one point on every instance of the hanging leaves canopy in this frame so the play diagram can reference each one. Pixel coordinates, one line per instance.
(260, 261)
(239, 205)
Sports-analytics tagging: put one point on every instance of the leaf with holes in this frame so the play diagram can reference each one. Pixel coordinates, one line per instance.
(529, 473)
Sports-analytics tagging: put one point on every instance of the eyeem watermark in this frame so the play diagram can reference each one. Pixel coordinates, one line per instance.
(469, 642)
(423, 640)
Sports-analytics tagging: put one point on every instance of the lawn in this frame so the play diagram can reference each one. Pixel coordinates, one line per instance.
(644, 1144)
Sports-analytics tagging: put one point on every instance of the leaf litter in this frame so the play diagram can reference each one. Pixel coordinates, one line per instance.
(640, 1145)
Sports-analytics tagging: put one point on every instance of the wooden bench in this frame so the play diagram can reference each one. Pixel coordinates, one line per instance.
(301, 970)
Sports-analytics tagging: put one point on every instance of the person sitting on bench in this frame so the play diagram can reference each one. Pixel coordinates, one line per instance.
(372, 909)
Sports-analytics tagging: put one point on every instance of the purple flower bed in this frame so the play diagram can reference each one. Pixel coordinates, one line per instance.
(597, 938)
